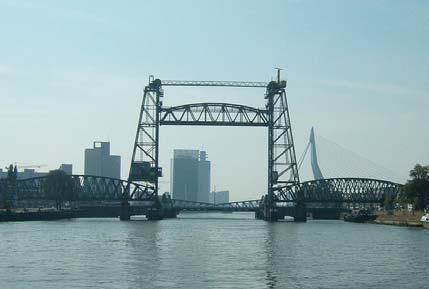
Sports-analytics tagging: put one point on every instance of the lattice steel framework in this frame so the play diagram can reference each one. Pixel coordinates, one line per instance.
(282, 166)
(103, 189)
(241, 206)
(190, 205)
(214, 83)
(214, 114)
(144, 164)
(339, 190)
(84, 188)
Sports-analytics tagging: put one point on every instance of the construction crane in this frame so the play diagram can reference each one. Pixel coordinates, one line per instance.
(27, 166)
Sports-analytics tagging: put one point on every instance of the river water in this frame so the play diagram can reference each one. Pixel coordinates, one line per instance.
(213, 250)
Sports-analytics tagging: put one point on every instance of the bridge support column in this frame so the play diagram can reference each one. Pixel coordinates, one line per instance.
(169, 213)
(259, 214)
(125, 211)
(154, 214)
(300, 214)
(267, 213)
(271, 214)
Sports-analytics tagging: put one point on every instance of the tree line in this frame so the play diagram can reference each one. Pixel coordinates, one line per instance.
(57, 187)
(414, 192)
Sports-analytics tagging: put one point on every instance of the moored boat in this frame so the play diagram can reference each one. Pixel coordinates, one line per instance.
(360, 216)
(425, 220)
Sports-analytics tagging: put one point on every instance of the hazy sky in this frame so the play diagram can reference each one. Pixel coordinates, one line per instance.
(72, 72)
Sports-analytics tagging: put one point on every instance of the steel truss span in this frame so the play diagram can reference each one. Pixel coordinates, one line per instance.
(214, 114)
(241, 206)
(82, 188)
(190, 205)
(95, 189)
(214, 83)
(339, 190)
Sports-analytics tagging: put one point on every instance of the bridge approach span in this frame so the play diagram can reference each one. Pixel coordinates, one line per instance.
(82, 188)
(86, 189)
(339, 190)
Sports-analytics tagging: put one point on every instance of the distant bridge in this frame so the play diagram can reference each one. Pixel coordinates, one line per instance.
(340, 190)
(96, 192)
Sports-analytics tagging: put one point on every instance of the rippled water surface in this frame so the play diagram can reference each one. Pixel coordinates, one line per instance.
(211, 251)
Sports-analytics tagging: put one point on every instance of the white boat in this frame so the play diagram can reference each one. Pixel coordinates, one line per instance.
(425, 220)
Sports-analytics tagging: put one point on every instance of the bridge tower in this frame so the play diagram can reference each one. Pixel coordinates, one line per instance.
(144, 162)
(282, 164)
(317, 173)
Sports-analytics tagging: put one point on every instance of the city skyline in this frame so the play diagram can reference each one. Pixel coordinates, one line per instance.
(364, 79)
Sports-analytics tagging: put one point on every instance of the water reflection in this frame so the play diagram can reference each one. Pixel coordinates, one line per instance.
(190, 252)
(281, 253)
(142, 252)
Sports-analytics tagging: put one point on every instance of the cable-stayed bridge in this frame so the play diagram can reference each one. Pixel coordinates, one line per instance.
(324, 158)
(286, 194)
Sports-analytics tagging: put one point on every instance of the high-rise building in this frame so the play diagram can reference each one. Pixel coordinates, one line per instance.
(219, 197)
(67, 168)
(190, 176)
(203, 178)
(99, 162)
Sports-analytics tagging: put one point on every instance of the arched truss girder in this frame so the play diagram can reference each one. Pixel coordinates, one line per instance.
(85, 188)
(338, 190)
(213, 114)
(94, 188)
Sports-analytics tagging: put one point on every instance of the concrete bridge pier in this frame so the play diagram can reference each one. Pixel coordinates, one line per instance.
(258, 214)
(271, 214)
(154, 214)
(267, 213)
(125, 211)
(169, 213)
(298, 212)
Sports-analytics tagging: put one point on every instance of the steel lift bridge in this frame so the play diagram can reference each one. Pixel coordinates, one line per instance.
(98, 196)
(282, 164)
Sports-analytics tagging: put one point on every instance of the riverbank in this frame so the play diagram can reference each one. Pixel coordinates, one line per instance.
(399, 218)
(35, 215)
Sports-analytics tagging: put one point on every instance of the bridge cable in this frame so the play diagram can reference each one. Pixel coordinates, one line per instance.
(303, 155)
(353, 163)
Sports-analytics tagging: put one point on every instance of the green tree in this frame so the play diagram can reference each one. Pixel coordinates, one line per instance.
(59, 187)
(388, 202)
(416, 190)
(9, 186)
(4, 192)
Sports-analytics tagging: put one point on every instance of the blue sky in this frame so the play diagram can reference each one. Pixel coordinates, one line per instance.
(72, 72)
